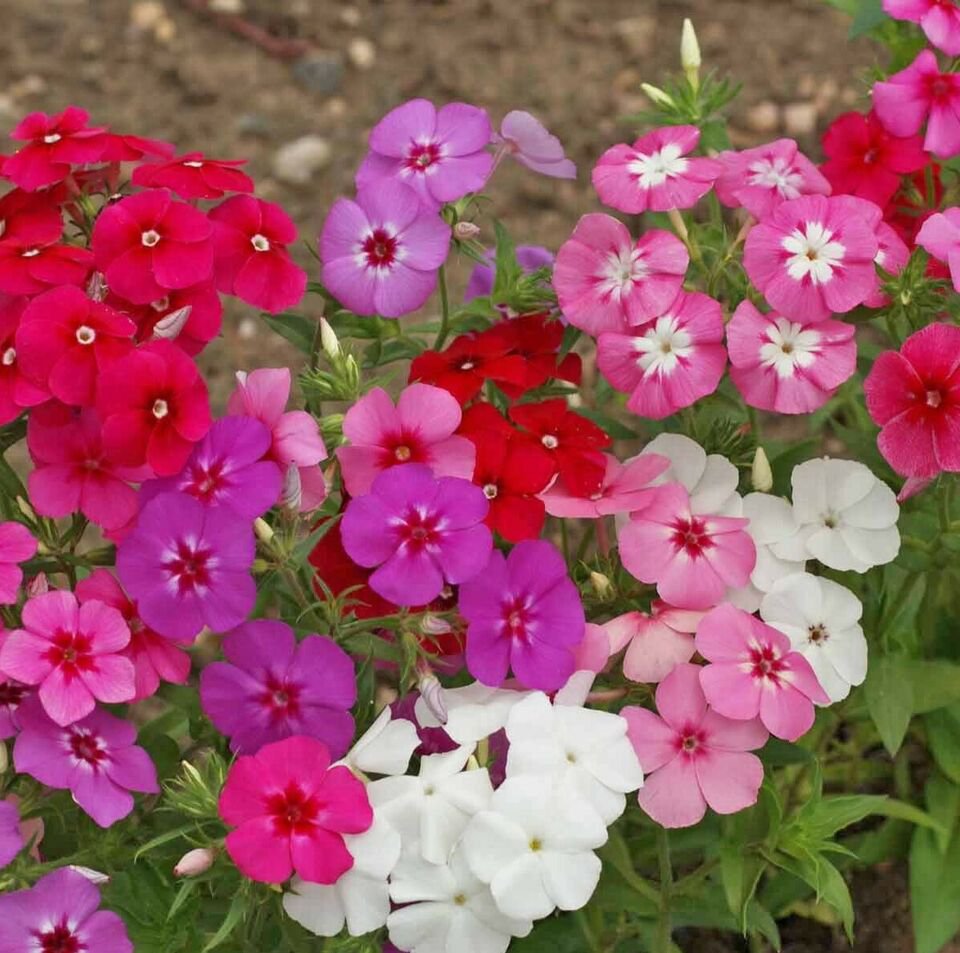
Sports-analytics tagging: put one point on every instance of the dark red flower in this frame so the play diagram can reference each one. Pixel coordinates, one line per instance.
(17, 392)
(918, 199)
(26, 214)
(537, 340)
(194, 176)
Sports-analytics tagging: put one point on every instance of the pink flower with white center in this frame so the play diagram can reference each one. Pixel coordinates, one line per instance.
(72, 653)
(441, 153)
(656, 641)
(754, 671)
(760, 179)
(693, 560)
(812, 257)
(420, 429)
(669, 363)
(655, 174)
(526, 139)
(381, 253)
(692, 756)
(939, 20)
(606, 281)
(788, 366)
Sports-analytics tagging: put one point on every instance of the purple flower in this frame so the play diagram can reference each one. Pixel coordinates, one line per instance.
(524, 613)
(188, 565)
(525, 138)
(529, 258)
(442, 154)
(94, 758)
(381, 253)
(273, 687)
(227, 469)
(59, 915)
(419, 531)
(11, 840)
(12, 695)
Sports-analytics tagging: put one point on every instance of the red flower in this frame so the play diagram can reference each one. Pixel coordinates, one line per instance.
(252, 261)
(537, 340)
(154, 407)
(574, 442)
(149, 244)
(907, 216)
(202, 323)
(66, 340)
(31, 261)
(16, 391)
(26, 214)
(194, 176)
(120, 148)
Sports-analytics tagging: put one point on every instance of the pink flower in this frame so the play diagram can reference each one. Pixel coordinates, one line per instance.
(940, 236)
(760, 179)
(606, 282)
(381, 253)
(787, 366)
(441, 153)
(420, 429)
(754, 671)
(17, 391)
(656, 642)
(11, 840)
(654, 174)
(148, 244)
(693, 560)
(812, 257)
(671, 362)
(692, 756)
(914, 395)
(12, 697)
(291, 810)
(17, 545)
(904, 100)
(72, 652)
(939, 19)
(251, 259)
(526, 139)
(194, 176)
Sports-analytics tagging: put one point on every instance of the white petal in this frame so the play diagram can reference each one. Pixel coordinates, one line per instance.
(715, 488)
(386, 747)
(376, 851)
(491, 842)
(829, 546)
(434, 767)
(839, 605)
(518, 889)
(570, 879)
(877, 510)
(468, 932)
(847, 651)
(836, 687)
(771, 518)
(366, 902)
(415, 879)
(873, 547)
(687, 459)
(441, 825)
(421, 927)
(316, 907)
(473, 712)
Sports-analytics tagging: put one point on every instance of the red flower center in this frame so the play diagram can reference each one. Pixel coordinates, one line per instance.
(70, 651)
(691, 535)
(293, 810)
(190, 567)
(870, 156)
(61, 939)
(280, 697)
(516, 618)
(11, 694)
(419, 530)
(86, 747)
(380, 247)
(934, 398)
(9, 357)
(205, 482)
(422, 155)
(690, 740)
(940, 87)
(765, 663)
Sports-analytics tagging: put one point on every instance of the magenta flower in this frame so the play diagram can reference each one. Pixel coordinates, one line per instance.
(12, 696)
(59, 914)
(381, 253)
(17, 391)
(272, 687)
(11, 840)
(291, 810)
(420, 429)
(656, 642)
(526, 139)
(655, 173)
(194, 176)
(17, 545)
(754, 671)
(441, 153)
(940, 236)
(691, 755)
(939, 20)
(693, 560)
(670, 363)
(606, 281)
(419, 531)
(72, 653)
(523, 612)
(812, 256)
(95, 758)
(188, 565)
(788, 366)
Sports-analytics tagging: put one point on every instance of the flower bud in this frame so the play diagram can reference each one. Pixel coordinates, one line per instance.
(465, 231)
(38, 586)
(97, 287)
(761, 476)
(94, 876)
(328, 340)
(26, 508)
(4, 758)
(291, 493)
(690, 53)
(657, 95)
(434, 625)
(263, 530)
(168, 328)
(431, 691)
(601, 584)
(194, 862)
(912, 487)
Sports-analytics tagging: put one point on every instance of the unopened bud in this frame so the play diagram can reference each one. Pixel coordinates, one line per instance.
(26, 508)
(97, 287)
(465, 231)
(431, 691)
(657, 95)
(328, 340)
(194, 862)
(94, 876)
(435, 625)
(263, 529)
(601, 584)
(291, 493)
(912, 487)
(38, 586)
(761, 476)
(168, 328)
(4, 758)
(690, 53)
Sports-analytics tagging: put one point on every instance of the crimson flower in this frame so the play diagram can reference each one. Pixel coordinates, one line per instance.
(16, 390)
(199, 306)
(124, 148)
(27, 214)
(194, 176)
(537, 339)
(32, 258)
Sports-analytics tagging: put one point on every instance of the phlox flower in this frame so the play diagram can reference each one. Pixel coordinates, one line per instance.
(754, 671)
(11, 840)
(940, 236)
(198, 311)
(17, 391)
(812, 257)
(386, 747)
(788, 366)
(821, 618)
(536, 339)
(670, 362)
(194, 176)
(693, 756)
(656, 641)
(474, 711)
(17, 545)
(693, 560)
(272, 687)
(526, 139)
(128, 148)
(23, 213)
(606, 281)
(34, 260)
(420, 429)
(72, 652)
(530, 258)
(440, 153)
(419, 531)
(94, 758)
(381, 253)
(656, 173)
(291, 811)
(939, 20)
(12, 696)
(523, 613)
(914, 395)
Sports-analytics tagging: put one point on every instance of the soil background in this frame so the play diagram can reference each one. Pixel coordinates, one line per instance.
(295, 85)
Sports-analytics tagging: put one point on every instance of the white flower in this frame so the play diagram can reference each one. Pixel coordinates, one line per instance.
(385, 747)
(581, 748)
(434, 807)
(360, 898)
(821, 618)
(450, 910)
(474, 712)
(847, 517)
(534, 846)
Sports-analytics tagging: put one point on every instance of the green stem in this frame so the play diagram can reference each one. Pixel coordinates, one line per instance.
(663, 942)
(444, 309)
(565, 538)
(944, 501)
(754, 419)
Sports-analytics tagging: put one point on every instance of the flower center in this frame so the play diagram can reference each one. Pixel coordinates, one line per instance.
(161, 304)
(691, 536)
(830, 520)
(9, 356)
(402, 453)
(663, 347)
(516, 619)
(70, 651)
(459, 899)
(31, 253)
(150, 238)
(260, 242)
(490, 491)
(764, 663)
(812, 253)
(160, 408)
(59, 939)
(690, 743)
(86, 335)
(818, 633)
(189, 565)
(941, 86)
(280, 697)
(293, 810)
(934, 398)
(193, 164)
(206, 480)
(870, 156)
(380, 248)
(419, 530)
(11, 694)
(422, 156)
(776, 174)
(87, 747)
(788, 347)
(550, 441)
(536, 844)
(653, 170)
(52, 138)
(623, 269)
(467, 365)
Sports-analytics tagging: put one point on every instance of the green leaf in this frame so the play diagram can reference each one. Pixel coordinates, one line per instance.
(934, 891)
(869, 14)
(556, 934)
(889, 695)
(507, 270)
(935, 684)
(832, 814)
(943, 803)
(298, 329)
(230, 922)
(943, 736)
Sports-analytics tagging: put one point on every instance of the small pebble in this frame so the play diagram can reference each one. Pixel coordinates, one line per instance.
(320, 71)
(764, 117)
(800, 119)
(296, 162)
(362, 52)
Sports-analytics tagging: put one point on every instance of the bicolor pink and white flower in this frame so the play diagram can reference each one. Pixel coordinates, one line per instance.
(656, 642)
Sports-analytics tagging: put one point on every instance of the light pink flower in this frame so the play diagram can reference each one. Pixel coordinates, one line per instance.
(17, 545)
(606, 281)
(788, 366)
(939, 20)
(940, 236)
(655, 174)
(671, 362)
(656, 642)
(754, 671)
(691, 755)
(526, 139)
